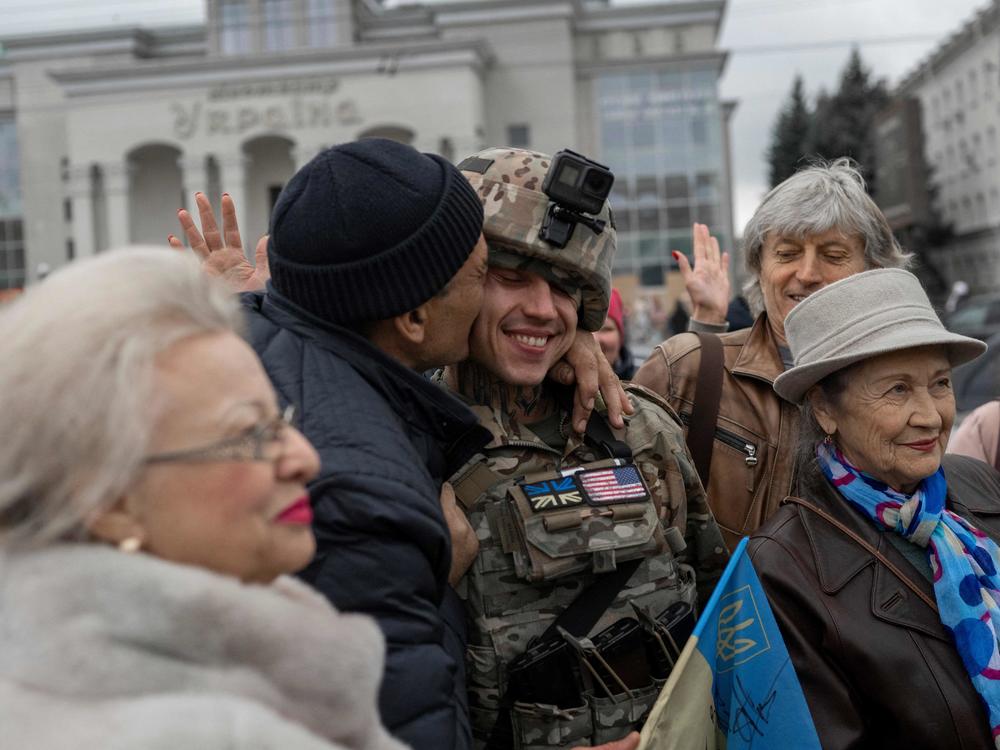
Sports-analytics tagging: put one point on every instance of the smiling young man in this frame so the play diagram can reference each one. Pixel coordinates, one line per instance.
(622, 495)
(815, 228)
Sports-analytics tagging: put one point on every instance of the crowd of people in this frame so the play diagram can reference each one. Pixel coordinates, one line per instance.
(382, 487)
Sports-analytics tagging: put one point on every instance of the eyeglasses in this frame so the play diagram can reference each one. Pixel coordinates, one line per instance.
(262, 442)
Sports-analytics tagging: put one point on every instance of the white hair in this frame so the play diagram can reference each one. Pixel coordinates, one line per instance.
(77, 378)
(824, 196)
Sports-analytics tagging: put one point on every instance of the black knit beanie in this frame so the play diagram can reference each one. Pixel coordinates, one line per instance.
(371, 229)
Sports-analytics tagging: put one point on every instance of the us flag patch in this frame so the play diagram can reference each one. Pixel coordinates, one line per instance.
(552, 494)
(621, 484)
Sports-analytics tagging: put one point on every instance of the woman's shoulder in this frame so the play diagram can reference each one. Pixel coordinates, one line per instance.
(972, 483)
(779, 535)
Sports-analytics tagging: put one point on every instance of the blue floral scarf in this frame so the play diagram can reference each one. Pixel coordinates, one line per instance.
(963, 560)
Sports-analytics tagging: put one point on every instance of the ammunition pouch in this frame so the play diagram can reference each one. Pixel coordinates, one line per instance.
(606, 690)
(573, 533)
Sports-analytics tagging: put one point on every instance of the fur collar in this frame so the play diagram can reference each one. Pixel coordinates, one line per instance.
(86, 623)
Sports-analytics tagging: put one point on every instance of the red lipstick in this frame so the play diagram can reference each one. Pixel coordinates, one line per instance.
(299, 512)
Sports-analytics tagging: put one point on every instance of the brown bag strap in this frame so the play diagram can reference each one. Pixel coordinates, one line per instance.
(996, 455)
(705, 413)
(868, 548)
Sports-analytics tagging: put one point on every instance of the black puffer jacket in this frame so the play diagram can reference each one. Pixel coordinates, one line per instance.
(386, 438)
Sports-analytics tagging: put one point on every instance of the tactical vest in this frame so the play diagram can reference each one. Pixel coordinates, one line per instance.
(534, 560)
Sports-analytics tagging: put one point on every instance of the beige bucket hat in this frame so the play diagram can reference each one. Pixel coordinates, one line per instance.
(862, 316)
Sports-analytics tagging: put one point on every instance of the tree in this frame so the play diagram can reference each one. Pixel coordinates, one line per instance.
(842, 124)
(790, 135)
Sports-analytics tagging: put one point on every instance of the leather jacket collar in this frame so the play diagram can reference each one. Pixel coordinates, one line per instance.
(839, 559)
(759, 357)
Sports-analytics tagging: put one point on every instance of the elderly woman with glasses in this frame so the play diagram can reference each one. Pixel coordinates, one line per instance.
(152, 499)
(883, 572)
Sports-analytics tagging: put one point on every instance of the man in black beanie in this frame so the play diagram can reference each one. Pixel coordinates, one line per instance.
(377, 262)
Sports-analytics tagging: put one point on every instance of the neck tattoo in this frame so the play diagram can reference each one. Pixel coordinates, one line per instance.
(521, 403)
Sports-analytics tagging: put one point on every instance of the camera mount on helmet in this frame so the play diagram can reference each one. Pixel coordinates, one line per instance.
(576, 186)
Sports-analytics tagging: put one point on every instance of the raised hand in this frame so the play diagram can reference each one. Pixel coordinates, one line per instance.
(707, 282)
(221, 253)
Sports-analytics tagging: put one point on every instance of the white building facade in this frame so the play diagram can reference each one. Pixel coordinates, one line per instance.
(103, 134)
(958, 88)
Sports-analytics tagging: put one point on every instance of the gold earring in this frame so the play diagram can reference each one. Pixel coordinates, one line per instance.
(130, 544)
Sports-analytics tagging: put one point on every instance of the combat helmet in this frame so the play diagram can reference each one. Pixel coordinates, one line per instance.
(509, 183)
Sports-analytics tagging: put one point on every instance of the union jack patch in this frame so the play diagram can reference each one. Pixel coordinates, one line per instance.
(552, 494)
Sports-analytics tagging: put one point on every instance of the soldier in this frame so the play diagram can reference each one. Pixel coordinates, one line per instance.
(634, 520)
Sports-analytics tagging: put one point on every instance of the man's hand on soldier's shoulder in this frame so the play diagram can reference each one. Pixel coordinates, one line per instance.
(587, 367)
(464, 543)
(221, 253)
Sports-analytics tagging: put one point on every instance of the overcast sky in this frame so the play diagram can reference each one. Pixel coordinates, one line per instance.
(770, 41)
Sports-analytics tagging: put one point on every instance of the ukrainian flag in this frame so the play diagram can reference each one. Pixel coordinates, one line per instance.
(734, 686)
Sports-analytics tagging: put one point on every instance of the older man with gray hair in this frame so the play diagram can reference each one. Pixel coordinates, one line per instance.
(818, 226)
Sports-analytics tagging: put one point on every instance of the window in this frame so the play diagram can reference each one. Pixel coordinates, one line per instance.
(10, 171)
(651, 275)
(67, 209)
(321, 23)
(273, 191)
(519, 136)
(677, 187)
(11, 254)
(645, 190)
(279, 24)
(679, 216)
(649, 220)
(234, 27)
(447, 148)
(661, 134)
(707, 186)
(699, 130)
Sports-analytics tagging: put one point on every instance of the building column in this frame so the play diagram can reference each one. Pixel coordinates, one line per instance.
(303, 153)
(233, 180)
(81, 195)
(117, 177)
(194, 177)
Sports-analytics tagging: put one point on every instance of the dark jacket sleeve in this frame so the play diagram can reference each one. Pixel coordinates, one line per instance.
(812, 639)
(380, 546)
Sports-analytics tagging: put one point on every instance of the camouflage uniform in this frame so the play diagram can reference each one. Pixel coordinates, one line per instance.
(509, 600)
(506, 611)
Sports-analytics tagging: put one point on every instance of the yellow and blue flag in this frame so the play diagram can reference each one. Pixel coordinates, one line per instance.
(734, 686)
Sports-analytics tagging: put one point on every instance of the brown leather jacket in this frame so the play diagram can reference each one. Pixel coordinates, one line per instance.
(757, 432)
(877, 667)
